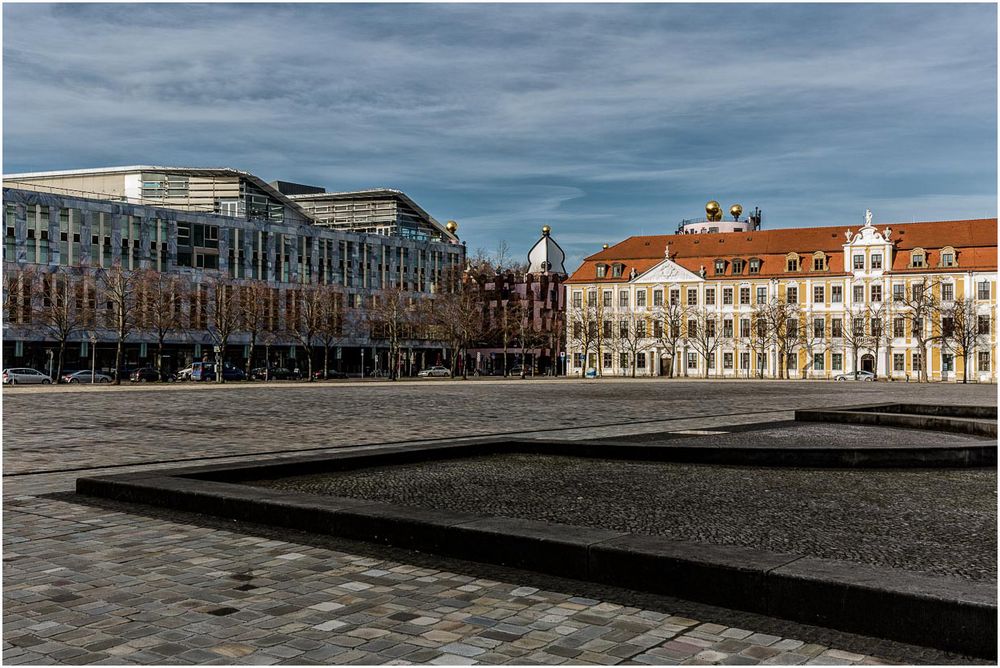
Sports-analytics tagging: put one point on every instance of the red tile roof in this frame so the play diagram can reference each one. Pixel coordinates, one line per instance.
(974, 241)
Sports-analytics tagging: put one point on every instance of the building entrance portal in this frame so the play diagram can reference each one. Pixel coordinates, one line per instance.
(666, 362)
(868, 363)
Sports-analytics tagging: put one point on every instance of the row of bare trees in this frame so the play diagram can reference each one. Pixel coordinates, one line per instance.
(956, 325)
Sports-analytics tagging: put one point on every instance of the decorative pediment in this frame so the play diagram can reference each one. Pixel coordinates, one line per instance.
(667, 271)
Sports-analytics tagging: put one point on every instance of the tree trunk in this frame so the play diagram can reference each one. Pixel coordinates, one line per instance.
(118, 363)
(465, 368)
(326, 360)
(220, 363)
(159, 356)
(62, 354)
(253, 340)
(309, 362)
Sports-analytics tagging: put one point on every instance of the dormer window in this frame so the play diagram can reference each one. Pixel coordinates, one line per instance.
(948, 257)
(602, 270)
(738, 266)
(819, 261)
(792, 262)
(720, 266)
(616, 270)
(754, 265)
(918, 257)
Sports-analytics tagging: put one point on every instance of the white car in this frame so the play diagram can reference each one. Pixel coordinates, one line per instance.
(86, 377)
(25, 376)
(435, 371)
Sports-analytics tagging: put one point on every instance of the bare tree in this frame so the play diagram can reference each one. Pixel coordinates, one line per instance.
(963, 332)
(703, 334)
(814, 341)
(922, 308)
(528, 334)
(782, 319)
(633, 338)
(306, 317)
(54, 310)
(18, 290)
(333, 322)
(672, 318)
(760, 337)
(159, 299)
(389, 317)
(585, 321)
(257, 315)
(119, 287)
(458, 318)
(226, 317)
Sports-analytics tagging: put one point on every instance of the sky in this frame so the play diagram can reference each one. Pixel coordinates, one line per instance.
(603, 121)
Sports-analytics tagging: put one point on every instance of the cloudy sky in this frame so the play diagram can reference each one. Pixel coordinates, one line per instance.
(601, 120)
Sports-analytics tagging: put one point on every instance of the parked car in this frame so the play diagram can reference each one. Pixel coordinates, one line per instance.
(515, 370)
(229, 373)
(275, 373)
(24, 375)
(85, 377)
(867, 376)
(185, 373)
(329, 374)
(150, 375)
(439, 371)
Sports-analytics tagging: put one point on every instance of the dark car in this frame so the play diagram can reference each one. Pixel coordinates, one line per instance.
(329, 374)
(229, 372)
(275, 373)
(150, 375)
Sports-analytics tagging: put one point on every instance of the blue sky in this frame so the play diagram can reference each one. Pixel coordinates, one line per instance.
(601, 120)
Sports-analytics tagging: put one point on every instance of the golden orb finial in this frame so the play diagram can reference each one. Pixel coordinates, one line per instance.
(735, 211)
(451, 226)
(713, 210)
(546, 229)
(606, 247)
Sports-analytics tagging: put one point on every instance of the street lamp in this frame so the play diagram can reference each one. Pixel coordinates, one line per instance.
(93, 357)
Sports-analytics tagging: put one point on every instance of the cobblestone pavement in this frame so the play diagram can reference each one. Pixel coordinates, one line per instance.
(96, 582)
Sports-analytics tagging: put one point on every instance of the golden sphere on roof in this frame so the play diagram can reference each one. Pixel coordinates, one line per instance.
(606, 247)
(546, 229)
(713, 210)
(735, 211)
(451, 226)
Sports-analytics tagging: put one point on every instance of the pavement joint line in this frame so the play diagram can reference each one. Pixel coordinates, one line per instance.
(390, 443)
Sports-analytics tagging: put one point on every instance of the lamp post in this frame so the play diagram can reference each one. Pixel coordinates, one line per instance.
(93, 357)
(362, 364)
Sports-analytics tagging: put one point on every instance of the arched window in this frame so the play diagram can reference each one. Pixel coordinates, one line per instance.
(918, 258)
(754, 265)
(602, 270)
(949, 258)
(738, 264)
(792, 262)
(819, 261)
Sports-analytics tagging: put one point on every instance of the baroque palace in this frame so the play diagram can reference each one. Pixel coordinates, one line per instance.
(725, 299)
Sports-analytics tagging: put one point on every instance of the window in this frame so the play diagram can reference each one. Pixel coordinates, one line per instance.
(710, 296)
(727, 296)
(947, 362)
(727, 360)
(791, 361)
(606, 330)
(745, 361)
(837, 361)
(948, 258)
(947, 326)
(899, 327)
(577, 299)
(917, 258)
(876, 327)
(623, 360)
(607, 298)
(692, 360)
(738, 266)
(948, 292)
(607, 360)
(616, 270)
(837, 294)
(591, 298)
(623, 299)
(640, 329)
(918, 362)
(754, 265)
(727, 329)
(577, 360)
(837, 328)
(818, 294)
(657, 297)
(692, 296)
(819, 262)
(577, 330)
(792, 294)
(898, 292)
(917, 292)
(744, 295)
(918, 326)
(762, 295)
(792, 263)
(692, 330)
(983, 324)
(983, 290)
(859, 294)
(745, 328)
(720, 266)
(711, 361)
(640, 360)
(859, 262)
(818, 361)
(640, 298)
(710, 329)
(876, 260)
(984, 361)
(857, 327)
(876, 293)
(658, 329)
(623, 329)
(602, 270)
(675, 297)
(898, 362)
(819, 325)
